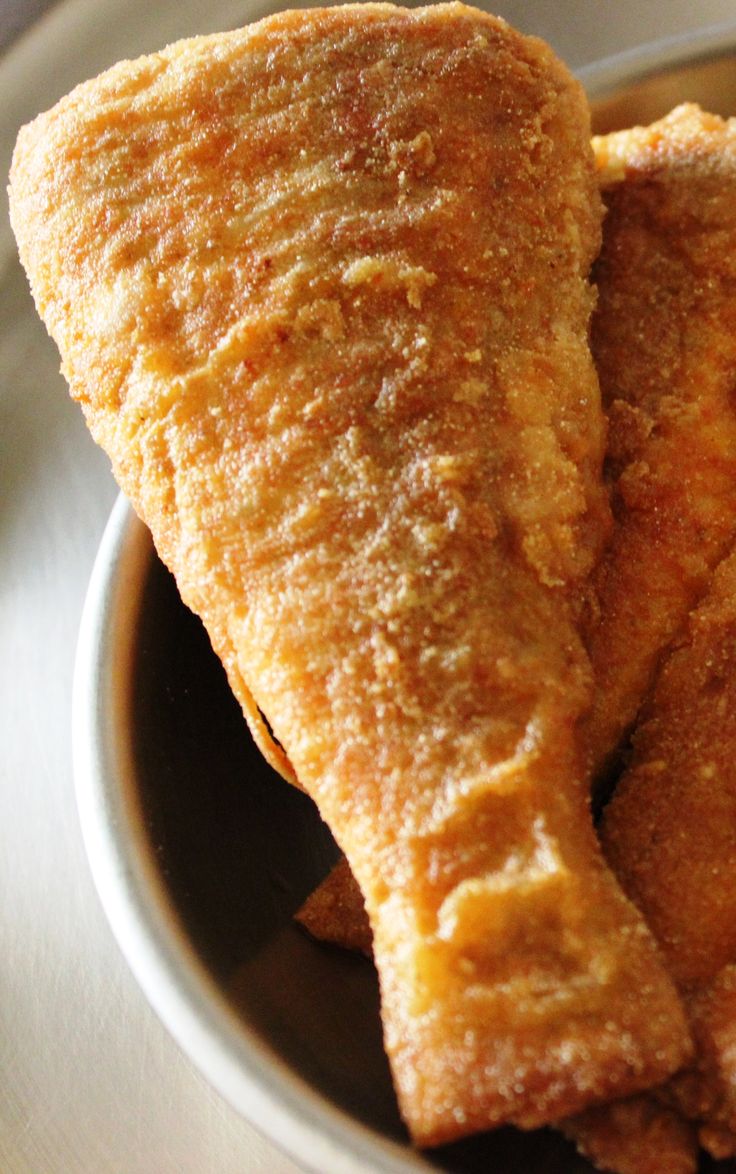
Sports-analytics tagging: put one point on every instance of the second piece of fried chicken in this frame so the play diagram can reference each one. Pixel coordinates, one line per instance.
(670, 834)
(664, 341)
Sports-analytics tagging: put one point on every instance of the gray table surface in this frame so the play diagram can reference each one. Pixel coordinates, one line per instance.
(90, 1082)
(18, 15)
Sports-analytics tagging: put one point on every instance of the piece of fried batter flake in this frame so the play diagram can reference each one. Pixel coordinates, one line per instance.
(321, 288)
(335, 912)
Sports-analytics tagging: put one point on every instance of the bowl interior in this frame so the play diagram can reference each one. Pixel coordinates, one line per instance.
(233, 850)
(708, 78)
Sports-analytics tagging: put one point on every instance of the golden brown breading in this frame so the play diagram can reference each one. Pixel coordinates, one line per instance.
(637, 1135)
(300, 279)
(664, 341)
(670, 834)
(707, 1091)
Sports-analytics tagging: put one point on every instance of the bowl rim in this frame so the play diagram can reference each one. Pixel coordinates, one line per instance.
(600, 78)
(317, 1135)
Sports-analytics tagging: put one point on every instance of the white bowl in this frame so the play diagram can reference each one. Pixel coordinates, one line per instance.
(201, 855)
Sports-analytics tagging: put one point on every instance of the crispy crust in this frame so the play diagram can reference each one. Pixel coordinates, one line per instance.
(664, 341)
(335, 912)
(670, 833)
(635, 1136)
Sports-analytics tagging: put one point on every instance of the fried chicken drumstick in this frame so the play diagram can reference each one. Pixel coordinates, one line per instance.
(300, 279)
